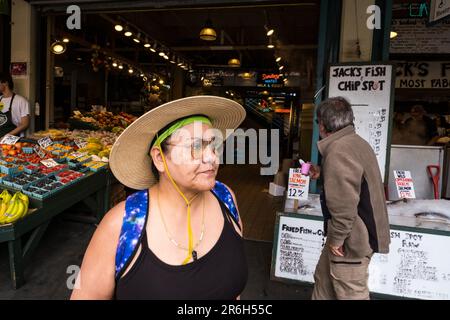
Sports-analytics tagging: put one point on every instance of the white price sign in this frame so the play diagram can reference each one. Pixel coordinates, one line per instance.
(9, 139)
(80, 143)
(404, 183)
(50, 163)
(39, 151)
(77, 155)
(298, 186)
(45, 142)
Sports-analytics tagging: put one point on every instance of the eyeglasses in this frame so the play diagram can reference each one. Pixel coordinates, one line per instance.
(198, 147)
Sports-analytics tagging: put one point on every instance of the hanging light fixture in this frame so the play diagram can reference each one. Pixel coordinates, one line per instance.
(118, 27)
(120, 66)
(127, 32)
(137, 38)
(270, 44)
(130, 71)
(114, 64)
(147, 43)
(281, 68)
(278, 59)
(208, 33)
(58, 47)
(153, 48)
(66, 40)
(234, 62)
(173, 60)
(269, 31)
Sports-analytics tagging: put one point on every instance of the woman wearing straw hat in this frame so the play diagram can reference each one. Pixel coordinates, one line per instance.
(180, 237)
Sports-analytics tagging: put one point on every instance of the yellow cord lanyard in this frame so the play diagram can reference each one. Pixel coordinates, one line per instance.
(191, 253)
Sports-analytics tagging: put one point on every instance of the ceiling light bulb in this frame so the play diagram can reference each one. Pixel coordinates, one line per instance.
(66, 40)
(278, 59)
(393, 34)
(281, 68)
(118, 27)
(130, 71)
(114, 64)
(270, 32)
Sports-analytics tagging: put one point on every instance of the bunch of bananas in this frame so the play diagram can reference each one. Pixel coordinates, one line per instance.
(12, 208)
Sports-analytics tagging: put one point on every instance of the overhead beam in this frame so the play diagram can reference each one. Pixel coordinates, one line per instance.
(60, 6)
(227, 48)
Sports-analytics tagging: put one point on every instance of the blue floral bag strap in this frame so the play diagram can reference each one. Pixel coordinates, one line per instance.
(224, 195)
(134, 221)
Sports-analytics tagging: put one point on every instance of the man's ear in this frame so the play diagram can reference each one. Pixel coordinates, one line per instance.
(155, 154)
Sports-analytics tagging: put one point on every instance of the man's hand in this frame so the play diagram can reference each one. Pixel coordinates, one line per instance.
(337, 251)
(314, 172)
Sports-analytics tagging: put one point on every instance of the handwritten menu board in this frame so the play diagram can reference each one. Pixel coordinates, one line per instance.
(414, 36)
(368, 88)
(298, 248)
(417, 266)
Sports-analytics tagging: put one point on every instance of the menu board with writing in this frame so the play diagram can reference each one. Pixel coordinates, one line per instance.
(415, 37)
(299, 244)
(417, 266)
(368, 88)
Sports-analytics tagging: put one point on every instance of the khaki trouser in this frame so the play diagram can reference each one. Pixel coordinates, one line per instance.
(341, 278)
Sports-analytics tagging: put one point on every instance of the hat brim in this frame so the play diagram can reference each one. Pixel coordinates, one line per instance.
(130, 161)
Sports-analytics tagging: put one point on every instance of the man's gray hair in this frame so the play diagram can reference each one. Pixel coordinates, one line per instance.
(335, 114)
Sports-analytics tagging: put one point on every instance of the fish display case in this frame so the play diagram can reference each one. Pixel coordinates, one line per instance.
(416, 267)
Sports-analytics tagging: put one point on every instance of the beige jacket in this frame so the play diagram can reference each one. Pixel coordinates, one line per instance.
(354, 204)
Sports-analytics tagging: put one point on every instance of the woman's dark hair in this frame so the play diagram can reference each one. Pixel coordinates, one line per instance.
(164, 147)
(6, 77)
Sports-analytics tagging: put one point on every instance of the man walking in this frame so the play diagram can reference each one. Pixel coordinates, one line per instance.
(353, 205)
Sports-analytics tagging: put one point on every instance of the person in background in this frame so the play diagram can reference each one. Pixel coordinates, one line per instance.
(14, 109)
(353, 205)
(398, 128)
(419, 128)
(441, 124)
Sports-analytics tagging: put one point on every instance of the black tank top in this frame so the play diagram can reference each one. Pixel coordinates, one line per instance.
(221, 274)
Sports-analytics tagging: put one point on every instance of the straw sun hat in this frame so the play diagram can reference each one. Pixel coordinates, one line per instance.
(130, 161)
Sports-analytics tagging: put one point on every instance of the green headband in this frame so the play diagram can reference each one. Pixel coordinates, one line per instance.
(177, 125)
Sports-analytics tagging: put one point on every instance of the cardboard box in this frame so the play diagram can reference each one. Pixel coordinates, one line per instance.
(281, 179)
(276, 190)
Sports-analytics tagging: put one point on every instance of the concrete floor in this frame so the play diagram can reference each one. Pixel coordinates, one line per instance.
(64, 244)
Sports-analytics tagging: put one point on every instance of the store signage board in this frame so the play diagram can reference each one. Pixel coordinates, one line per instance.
(298, 185)
(415, 37)
(440, 9)
(38, 150)
(9, 139)
(369, 89)
(50, 163)
(416, 266)
(422, 75)
(45, 142)
(404, 184)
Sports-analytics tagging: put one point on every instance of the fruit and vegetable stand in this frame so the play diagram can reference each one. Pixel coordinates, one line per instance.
(92, 189)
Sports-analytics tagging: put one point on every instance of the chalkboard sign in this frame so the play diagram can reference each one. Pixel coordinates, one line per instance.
(369, 88)
(417, 266)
